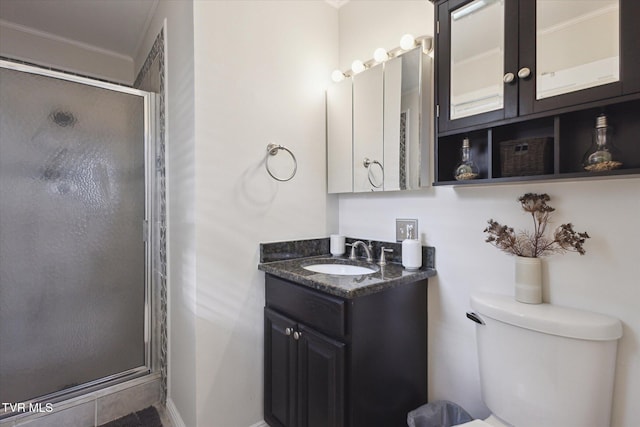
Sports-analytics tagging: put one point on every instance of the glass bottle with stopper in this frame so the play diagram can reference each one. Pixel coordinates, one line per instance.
(602, 155)
(466, 169)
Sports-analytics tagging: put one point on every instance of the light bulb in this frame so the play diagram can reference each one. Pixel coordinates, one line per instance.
(337, 76)
(357, 66)
(407, 42)
(380, 54)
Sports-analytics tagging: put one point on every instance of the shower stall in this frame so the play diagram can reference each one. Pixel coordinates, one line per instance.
(76, 255)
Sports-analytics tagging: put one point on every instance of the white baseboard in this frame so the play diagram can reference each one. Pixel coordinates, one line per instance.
(176, 420)
(174, 415)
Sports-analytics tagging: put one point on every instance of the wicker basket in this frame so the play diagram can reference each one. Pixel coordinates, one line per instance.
(530, 156)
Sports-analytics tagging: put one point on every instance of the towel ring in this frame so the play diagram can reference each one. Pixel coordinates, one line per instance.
(272, 150)
(367, 164)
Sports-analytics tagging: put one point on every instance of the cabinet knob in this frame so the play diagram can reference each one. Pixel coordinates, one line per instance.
(297, 335)
(523, 73)
(508, 78)
(288, 331)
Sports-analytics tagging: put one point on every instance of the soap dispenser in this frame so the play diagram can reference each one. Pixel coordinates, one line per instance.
(411, 251)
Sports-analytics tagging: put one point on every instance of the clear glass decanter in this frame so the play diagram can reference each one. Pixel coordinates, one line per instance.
(602, 155)
(466, 169)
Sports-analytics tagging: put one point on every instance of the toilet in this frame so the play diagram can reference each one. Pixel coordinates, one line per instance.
(543, 365)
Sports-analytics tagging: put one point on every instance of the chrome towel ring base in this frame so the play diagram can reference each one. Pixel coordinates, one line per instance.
(367, 163)
(272, 150)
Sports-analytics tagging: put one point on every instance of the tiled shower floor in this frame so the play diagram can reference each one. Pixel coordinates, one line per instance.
(148, 417)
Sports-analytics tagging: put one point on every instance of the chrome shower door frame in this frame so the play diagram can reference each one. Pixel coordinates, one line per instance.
(151, 293)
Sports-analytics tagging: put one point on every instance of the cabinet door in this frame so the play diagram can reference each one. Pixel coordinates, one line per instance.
(573, 52)
(403, 114)
(339, 137)
(280, 367)
(368, 169)
(321, 373)
(392, 146)
(477, 46)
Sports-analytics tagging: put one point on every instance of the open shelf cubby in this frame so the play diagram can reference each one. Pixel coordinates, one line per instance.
(568, 136)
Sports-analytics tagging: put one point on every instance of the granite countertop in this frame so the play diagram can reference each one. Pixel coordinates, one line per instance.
(390, 275)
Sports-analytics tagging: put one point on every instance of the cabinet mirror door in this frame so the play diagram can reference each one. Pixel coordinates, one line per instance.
(477, 58)
(402, 112)
(577, 45)
(339, 138)
(392, 109)
(368, 167)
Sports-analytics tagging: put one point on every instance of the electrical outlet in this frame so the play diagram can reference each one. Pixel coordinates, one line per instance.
(402, 227)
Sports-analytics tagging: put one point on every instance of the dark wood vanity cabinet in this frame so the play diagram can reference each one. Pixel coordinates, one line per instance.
(337, 362)
(522, 69)
(304, 375)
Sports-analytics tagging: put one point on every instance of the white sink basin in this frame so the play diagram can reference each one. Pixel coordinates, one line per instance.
(339, 269)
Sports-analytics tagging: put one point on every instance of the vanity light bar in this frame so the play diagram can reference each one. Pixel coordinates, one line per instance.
(407, 42)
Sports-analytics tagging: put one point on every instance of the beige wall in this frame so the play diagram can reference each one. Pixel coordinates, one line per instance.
(175, 17)
(261, 69)
(368, 25)
(25, 44)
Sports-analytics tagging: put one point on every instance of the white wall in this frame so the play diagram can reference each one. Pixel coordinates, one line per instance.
(366, 25)
(605, 280)
(452, 220)
(176, 17)
(37, 47)
(261, 69)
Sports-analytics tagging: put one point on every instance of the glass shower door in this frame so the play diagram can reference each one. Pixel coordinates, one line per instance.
(72, 250)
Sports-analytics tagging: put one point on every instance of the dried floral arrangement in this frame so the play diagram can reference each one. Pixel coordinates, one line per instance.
(535, 244)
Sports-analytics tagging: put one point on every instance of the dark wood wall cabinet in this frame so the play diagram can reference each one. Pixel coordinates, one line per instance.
(335, 362)
(526, 80)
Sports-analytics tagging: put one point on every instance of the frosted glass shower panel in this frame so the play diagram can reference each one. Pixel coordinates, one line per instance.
(72, 255)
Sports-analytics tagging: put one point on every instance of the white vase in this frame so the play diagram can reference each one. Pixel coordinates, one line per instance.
(528, 280)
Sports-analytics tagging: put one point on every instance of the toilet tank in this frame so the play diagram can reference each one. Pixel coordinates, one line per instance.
(545, 365)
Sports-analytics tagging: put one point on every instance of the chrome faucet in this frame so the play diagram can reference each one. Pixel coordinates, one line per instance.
(367, 250)
(383, 251)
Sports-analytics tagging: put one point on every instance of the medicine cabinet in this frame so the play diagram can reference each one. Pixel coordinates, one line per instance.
(379, 126)
(535, 73)
(501, 59)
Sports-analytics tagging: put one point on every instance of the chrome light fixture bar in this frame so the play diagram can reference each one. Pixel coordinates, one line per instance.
(407, 43)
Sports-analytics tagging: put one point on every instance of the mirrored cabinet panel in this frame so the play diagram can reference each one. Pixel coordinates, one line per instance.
(403, 97)
(394, 127)
(368, 166)
(390, 120)
(339, 137)
(577, 45)
(477, 58)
